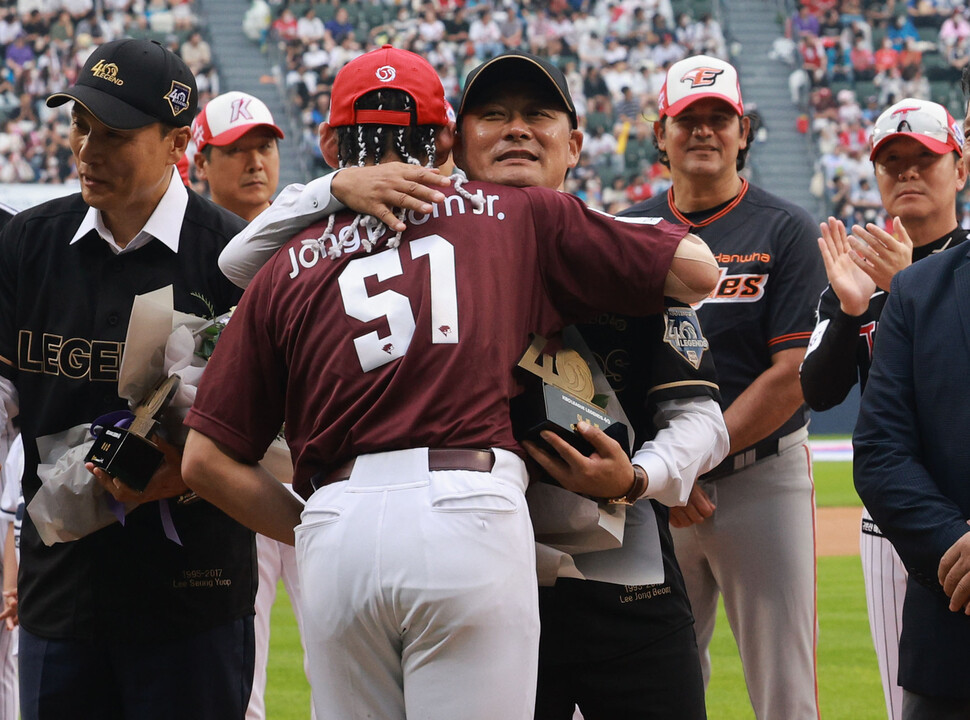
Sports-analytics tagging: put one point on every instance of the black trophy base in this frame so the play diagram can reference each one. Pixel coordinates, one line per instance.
(546, 407)
(126, 456)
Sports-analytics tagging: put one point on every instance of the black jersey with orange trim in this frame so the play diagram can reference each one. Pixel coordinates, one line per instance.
(771, 276)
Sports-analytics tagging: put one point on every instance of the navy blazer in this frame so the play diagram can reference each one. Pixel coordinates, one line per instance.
(912, 457)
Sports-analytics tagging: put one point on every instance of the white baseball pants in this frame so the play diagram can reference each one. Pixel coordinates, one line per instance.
(419, 592)
(758, 550)
(275, 561)
(885, 579)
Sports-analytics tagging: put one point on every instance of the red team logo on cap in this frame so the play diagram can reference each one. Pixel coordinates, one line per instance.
(905, 110)
(702, 77)
(240, 110)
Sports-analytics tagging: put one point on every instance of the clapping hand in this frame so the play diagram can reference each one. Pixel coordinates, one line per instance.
(879, 254)
(849, 280)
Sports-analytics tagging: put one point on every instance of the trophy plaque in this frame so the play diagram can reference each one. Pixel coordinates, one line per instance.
(129, 453)
(558, 394)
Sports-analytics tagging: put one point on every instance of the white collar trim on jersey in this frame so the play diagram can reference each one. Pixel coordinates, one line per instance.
(165, 223)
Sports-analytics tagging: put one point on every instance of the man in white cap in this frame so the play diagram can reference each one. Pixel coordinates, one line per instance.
(236, 139)
(748, 530)
(237, 155)
(916, 152)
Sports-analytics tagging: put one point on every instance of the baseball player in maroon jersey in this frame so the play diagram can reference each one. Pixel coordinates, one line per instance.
(916, 151)
(391, 364)
(613, 649)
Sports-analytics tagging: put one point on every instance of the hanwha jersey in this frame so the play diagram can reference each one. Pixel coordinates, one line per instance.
(415, 346)
(771, 275)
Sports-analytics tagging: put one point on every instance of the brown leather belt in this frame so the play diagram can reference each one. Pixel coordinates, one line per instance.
(438, 459)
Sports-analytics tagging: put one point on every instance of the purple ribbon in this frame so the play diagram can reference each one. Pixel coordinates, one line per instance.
(122, 419)
(165, 511)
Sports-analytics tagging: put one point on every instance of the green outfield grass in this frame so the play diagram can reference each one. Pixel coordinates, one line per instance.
(833, 485)
(849, 686)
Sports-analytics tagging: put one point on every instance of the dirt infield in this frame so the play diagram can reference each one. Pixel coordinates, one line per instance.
(838, 530)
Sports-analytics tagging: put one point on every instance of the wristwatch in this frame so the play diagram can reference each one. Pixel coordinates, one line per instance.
(636, 490)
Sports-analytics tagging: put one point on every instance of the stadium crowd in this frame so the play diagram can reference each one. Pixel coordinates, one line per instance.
(852, 59)
(43, 44)
(614, 54)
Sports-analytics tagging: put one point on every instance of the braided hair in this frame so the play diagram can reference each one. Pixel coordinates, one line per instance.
(360, 144)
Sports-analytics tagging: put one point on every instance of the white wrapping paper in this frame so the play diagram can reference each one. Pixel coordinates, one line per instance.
(160, 342)
(70, 502)
(579, 538)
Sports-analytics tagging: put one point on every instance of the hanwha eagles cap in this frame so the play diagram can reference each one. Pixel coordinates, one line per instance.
(228, 117)
(924, 121)
(388, 67)
(128, 84)
(698, 77)
(507, 65)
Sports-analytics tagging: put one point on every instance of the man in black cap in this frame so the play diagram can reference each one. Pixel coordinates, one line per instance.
(614, 650)
(123, 623)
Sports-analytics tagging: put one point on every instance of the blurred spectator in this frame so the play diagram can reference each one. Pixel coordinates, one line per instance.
(711, 37)
(285, 26)
(197, 54)
(910, 58)
(510, 26)
(954, 29)
(813, 69)
(886, 56)
(431, 30)
(628, 107)
(257, 20)
(804, 22)
(309, 28)
(957, 57)
(901, 30)
(10, 27)
(830, 29)
(668, 52)
(863, 61)
(61, 32)
(615, 51)
(19, 54)
(340, 27)
(486, 36)
(838, 63)
(928, 13)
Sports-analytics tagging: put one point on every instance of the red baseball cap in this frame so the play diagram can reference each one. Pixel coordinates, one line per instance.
(926, 122)
(698, 77)
(228, 117)
(388, 67)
